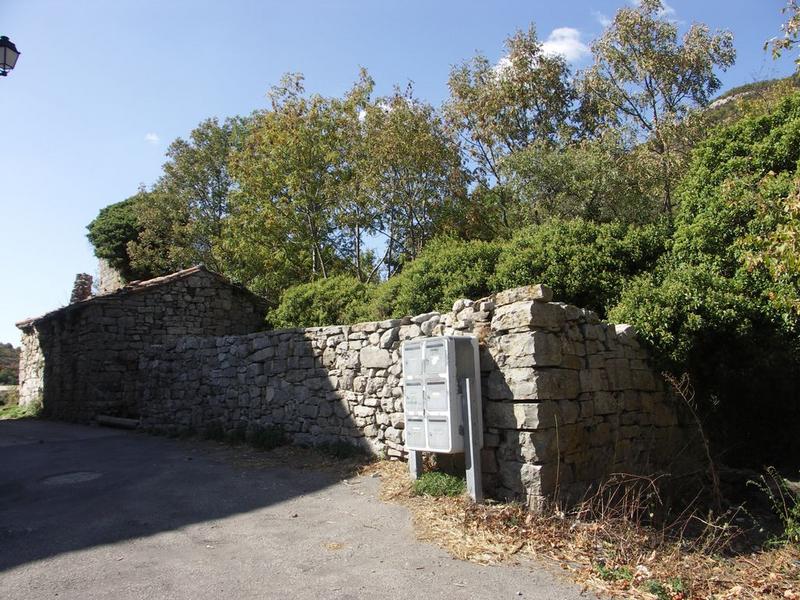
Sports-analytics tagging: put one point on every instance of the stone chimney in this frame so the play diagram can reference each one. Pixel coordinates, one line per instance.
(82, 289)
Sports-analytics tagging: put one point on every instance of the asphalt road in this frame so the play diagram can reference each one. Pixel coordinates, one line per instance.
(89, 512)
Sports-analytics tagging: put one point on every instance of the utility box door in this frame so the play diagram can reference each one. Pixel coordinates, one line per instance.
(433, 400)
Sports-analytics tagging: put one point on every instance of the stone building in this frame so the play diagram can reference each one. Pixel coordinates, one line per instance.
(83, 359)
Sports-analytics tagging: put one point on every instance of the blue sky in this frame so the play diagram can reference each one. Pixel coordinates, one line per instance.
(102, 87)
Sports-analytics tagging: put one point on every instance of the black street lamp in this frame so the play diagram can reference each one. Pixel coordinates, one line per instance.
(8, 55)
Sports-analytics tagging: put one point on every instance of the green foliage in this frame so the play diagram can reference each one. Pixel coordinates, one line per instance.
(15, 411)
(647, 79)
(598, 179)
(710, 307)
(181, 219)
(676, 308)
(614, 573)
(499, 109)
(585, 263)
(435, 483)
(331, 301)
(446, 270)
(9, 364)
(112, 230)
(665, 591)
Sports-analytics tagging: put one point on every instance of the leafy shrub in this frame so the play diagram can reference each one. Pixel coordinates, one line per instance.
(438, 484)
(112, 230)
(446, 270)
(708, 308)
(585, 263)
(338, 299)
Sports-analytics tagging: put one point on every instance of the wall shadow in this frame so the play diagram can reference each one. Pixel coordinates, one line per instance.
(65, 487)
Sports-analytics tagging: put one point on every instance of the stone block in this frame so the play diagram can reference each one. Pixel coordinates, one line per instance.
(389, 337)
(521, 415)
(428, 326)
(532, 384)
(419, 319)
(535, 348)
(364, 411)
(538, 292)
(530, 314)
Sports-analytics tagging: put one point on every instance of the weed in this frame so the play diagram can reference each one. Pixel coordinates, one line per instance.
(15, 411)
(435, 483)
(658, 589)
(267, 438)
(674, 588)
(614, 574)
(785, 504)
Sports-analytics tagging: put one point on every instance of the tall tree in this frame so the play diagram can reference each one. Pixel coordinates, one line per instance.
(497, 109)
(291, 169)
(183, 217)
(413, 174)
(644, 77)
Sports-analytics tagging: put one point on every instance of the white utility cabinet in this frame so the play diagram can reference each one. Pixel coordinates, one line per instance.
(442, 391)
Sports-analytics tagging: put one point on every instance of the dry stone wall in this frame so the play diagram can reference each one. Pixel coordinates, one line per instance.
(568, 399)
(83, 360)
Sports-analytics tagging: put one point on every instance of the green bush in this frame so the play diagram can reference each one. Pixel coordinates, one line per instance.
(707, 308)
(439, 484)
(585, 263)
(331, 301)
(446, 270)
(112, 230)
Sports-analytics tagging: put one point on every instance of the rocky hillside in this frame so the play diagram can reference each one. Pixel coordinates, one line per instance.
(729, 105)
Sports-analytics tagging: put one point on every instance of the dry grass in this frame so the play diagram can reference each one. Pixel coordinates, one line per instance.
(602, 543)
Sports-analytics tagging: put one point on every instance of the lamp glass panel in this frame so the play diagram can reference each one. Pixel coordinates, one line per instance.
(11, 58)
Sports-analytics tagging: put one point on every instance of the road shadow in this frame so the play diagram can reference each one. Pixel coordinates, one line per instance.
(65, 488)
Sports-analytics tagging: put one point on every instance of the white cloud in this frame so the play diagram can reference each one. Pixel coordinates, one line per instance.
(667, 11)
(152, 138)
(502, 66)
(603, 19)
(565, 41)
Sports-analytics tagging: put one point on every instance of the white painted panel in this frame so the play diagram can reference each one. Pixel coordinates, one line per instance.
(414, 403)
(415, 434)
(439, 435)
(435, 359)
(436, 398)
(412, 360)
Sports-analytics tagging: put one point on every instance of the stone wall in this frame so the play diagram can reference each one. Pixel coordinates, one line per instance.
(108, 278)
(83, 360)
(568, 399)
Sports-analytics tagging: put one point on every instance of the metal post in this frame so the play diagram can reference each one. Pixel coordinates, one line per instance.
(472, 450)
(415, 463)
